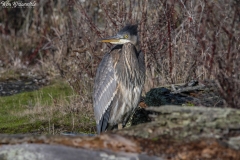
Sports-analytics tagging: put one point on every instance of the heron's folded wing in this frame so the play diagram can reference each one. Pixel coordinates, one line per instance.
(141, 61)
(104, 87)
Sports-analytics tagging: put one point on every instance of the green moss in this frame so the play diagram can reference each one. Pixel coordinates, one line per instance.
(188, 104)
(12, 106)
(155, 139)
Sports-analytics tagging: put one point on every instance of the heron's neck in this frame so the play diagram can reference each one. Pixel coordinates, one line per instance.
(117, 46)
(129, 53)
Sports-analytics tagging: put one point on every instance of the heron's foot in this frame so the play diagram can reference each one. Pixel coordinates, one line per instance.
(120, 126)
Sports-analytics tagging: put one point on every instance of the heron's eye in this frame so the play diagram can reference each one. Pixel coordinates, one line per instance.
(125, 36)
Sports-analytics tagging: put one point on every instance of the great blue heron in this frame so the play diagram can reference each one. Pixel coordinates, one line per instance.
(119, 80)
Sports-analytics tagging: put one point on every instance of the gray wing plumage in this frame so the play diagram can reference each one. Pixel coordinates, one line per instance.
(104, 90)
(141, 61)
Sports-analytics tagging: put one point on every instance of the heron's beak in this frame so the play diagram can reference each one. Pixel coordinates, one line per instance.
(114, 40)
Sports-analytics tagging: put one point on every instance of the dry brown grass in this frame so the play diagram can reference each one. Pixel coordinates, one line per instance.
(182, 40)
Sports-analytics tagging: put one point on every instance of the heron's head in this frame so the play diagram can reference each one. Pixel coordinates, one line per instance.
(125, 35)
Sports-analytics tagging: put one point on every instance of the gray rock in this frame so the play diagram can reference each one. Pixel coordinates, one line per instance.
(59, 152)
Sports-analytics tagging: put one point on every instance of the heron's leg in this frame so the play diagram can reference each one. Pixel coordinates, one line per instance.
(128, 121)
(120, 125)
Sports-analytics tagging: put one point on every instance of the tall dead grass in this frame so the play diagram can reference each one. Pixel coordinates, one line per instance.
(181, 40)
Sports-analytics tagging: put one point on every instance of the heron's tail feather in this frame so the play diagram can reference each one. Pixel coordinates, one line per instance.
(103, 123)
